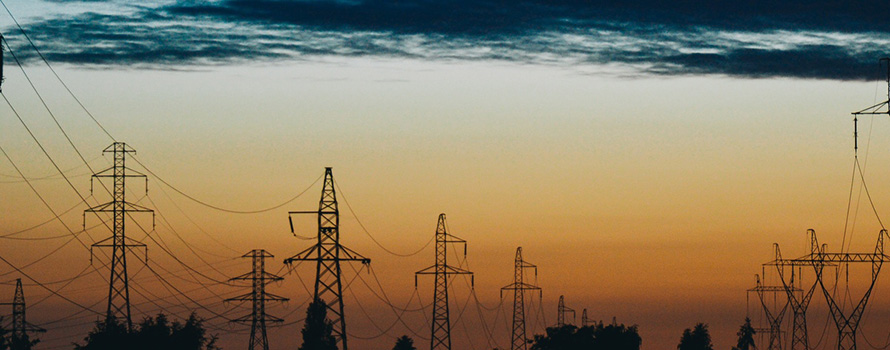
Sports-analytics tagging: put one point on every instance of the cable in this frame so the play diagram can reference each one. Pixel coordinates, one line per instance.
(54, 71)
(47, 288)
(232, 211)
(343, 195)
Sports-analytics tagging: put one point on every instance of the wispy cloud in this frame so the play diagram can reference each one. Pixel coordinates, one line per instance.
(821, 40)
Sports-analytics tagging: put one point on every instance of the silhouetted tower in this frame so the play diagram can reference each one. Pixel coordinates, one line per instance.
(118, 283)
(799, 302)
(561, 312)
(848, 322)
(258, 297)
(773, 317)
(441, 326)
(584, 320)
(520, 342)
(328, 253)
(20, 327)
(2, 77)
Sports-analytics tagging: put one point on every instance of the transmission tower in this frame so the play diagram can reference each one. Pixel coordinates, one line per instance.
(20, 327)
(258, 298)
(847, 322)
(799, 302)
(118, 283)
(520, 342)
(584, 320)
(2, 77)
(441, 326)
(561, 312)
(328, 253)
(774, 318)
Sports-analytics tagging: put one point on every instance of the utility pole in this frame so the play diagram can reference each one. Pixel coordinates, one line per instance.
(118, 283)
(520, 342)
(258, 297)
(774, 318)
(328, 253)
(561, 312)
(2, 77)
(19, 339)
(441, 327)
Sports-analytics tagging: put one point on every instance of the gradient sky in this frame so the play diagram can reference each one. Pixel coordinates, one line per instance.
(645, 160)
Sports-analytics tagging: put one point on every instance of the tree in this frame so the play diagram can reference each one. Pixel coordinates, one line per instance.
(595, 337)
(150, 334)
(318, 331)
(697, 338)
(746, 336)
(404, 343)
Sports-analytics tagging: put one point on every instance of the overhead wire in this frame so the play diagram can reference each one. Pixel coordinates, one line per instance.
(365, 230)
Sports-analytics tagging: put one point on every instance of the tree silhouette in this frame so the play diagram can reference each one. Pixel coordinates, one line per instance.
(318, 330)
(595, 337)
(697, 338)
(404, 343)
(746, 336)
(151, 334)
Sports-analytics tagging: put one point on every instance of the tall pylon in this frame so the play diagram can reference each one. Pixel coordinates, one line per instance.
(118, 282)
(441, 326)
(2, 77)
(327, 252)
(799, 302)
(519, 286)
(20, 327)
(258, 297)
(561, 311)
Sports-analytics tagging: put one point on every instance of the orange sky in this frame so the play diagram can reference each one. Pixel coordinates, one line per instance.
(653, 200)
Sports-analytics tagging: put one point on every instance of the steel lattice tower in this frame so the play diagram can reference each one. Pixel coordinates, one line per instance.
(773, 318)
(258, 297)
(118, 282)
(519, 340)
(20, 326)
(799, 301)
(328, 253)
(2, 77)
(441, 327)
(584, 320)
(561, 311)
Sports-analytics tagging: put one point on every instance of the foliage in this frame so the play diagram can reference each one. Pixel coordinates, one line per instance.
(404, 343)
(746, 336)
(150, 334)
(697, 338)
(595, 337)
(318, 330)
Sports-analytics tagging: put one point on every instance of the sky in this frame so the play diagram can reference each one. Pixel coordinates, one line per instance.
(644, 155)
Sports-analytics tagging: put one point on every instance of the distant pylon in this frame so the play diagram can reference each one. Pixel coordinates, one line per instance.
(561, 312)
(584, 320)
(441, 327)
(118, 283)
(519, 340)
(258, 298)
(799, 302)
(20, 327)
(328, 253)
(773, 317)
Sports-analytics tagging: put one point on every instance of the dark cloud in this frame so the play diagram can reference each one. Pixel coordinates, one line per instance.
(813, 40)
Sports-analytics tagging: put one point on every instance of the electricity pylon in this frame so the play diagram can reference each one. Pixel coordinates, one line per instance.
(561, 312)
(584, 320)
(20, 327)
(118, 283)
(799, 302)
(441, 326)
(520, 342)
(847, 322)
(773, 317)
(258, 297)
(2, 77)
(327, 252)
